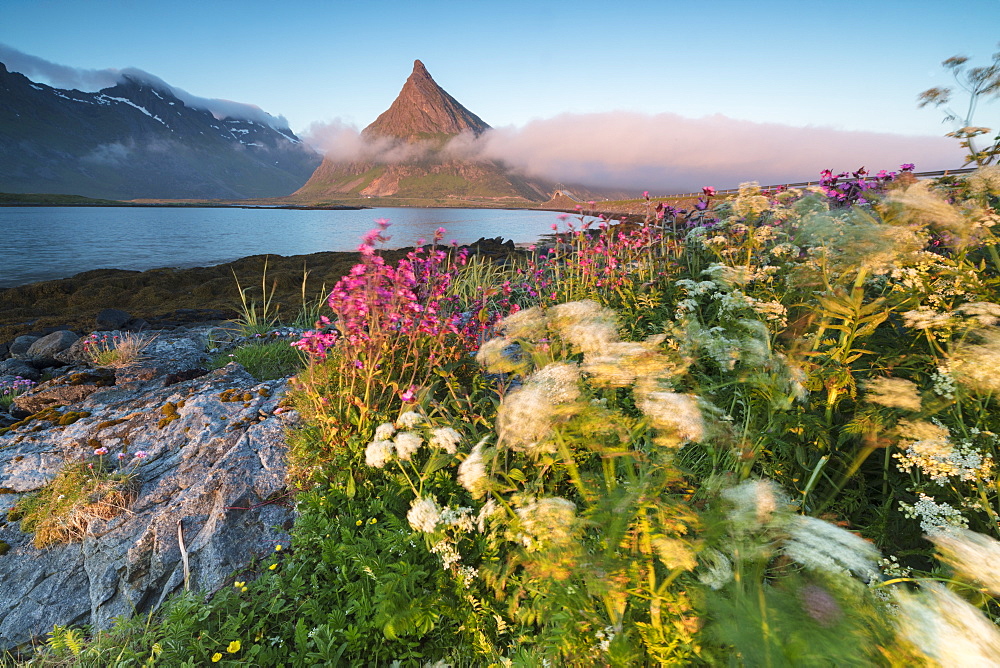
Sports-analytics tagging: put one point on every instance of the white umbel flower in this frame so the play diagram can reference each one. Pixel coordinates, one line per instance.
(472, 471)
(407, 443)
(445, 438)
(424, 514)
(385, 431)
(673, 412)
(409, 420)
(378, 453)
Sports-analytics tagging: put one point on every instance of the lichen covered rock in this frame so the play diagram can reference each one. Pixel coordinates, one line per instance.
(211, 468)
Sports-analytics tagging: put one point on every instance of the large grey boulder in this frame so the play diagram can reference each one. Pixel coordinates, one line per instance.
(19, 346)
(42, 352)
(215, 468)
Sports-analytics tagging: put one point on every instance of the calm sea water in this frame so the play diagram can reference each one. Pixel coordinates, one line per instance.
(44, 243)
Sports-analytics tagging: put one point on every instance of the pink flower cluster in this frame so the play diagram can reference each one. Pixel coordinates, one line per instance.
(585, 260)
(376, 300)
(855, 185)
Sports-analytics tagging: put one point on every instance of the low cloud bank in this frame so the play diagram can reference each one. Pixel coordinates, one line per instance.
(663, 152)
(63, 76)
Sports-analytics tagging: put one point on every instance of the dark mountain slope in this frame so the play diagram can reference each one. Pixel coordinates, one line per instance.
(136, 140)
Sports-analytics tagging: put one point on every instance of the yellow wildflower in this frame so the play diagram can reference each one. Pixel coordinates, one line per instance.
(234, 647)
(216, 657)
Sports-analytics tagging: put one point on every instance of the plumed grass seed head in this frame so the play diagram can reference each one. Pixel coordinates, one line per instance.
(974, 556)
(945, 628)
(819, 545)
(894, 393)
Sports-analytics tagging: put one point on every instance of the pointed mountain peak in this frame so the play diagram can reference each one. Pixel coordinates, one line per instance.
(424, 110)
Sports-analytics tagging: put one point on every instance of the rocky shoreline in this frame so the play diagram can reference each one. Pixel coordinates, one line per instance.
(169, 297)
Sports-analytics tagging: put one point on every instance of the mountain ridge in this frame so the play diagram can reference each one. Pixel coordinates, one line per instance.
(421, 120)
(136, 140)
(422, 110)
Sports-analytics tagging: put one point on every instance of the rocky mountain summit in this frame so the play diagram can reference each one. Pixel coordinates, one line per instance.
(407, 157)
(424, 110)
(137, 139)
(206, 496)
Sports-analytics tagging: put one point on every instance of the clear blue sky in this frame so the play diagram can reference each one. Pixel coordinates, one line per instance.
(851, 66)
(848, 65)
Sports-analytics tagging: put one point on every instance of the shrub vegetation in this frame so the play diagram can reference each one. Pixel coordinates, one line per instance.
(758, 432)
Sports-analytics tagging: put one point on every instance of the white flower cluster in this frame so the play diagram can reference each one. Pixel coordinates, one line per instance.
(935, 518)
(604, 638)
(986, 314)
(389, 443)
(552, 393)
(946, 628)
(944, 382)
(674, 413)
(785, 250)
(985, 181)
(696, 289)
(924, 317)
(726, 276)
(424, 514)
(761, 523)
(940, 460)
(978, 365)
(749, 202)
(972, 555)
(754, 503)
(716, 568)
(472, 471)
(449, 555)
(546, 522)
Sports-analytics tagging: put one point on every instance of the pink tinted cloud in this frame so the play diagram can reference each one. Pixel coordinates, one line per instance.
(665, 153)
(670, 153)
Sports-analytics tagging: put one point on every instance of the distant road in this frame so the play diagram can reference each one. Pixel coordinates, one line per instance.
(733, 191)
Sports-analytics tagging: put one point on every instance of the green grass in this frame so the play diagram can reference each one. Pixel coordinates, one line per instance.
(265, 361)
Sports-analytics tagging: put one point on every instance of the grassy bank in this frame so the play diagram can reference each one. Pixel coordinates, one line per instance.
(759, 432)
